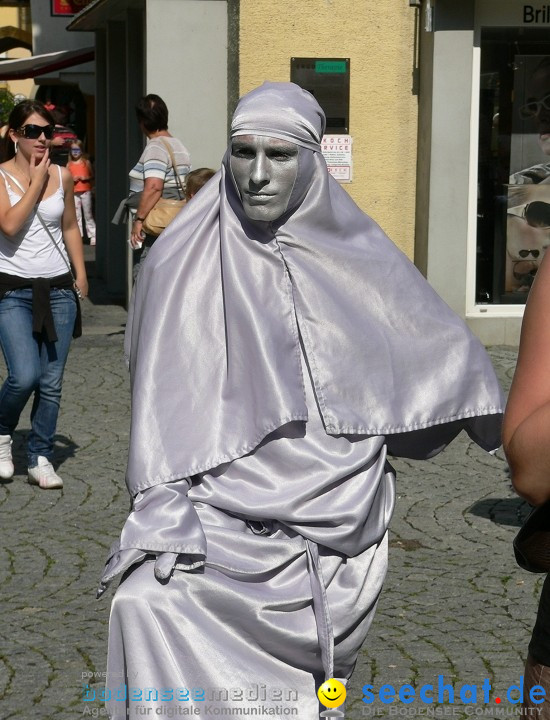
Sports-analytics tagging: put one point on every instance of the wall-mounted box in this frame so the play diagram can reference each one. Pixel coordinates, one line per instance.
(327, 79)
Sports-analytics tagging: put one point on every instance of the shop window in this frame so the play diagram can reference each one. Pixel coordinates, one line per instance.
(513, 228)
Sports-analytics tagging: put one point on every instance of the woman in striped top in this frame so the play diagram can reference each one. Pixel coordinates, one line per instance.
(153, 175)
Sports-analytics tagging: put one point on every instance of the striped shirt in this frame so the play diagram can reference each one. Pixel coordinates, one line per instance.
(155, 162)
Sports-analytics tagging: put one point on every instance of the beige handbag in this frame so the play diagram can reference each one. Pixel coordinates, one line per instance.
(166, 209)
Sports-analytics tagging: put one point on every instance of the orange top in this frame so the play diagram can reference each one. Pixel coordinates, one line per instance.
(80, 169)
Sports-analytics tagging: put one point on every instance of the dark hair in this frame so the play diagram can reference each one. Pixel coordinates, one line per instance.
(196, 179)
(18, 115)
(152, 113)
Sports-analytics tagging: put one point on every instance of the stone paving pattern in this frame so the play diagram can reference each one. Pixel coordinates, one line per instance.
(454, 604)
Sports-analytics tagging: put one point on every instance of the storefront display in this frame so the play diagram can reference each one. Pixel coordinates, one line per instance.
(513, 229)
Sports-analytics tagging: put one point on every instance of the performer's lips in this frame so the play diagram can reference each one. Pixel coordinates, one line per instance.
(258, 198)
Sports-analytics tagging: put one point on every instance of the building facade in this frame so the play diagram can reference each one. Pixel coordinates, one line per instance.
(483, 199)
(16, 43)
(439, 109)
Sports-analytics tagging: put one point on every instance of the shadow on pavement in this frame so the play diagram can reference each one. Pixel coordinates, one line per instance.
(502, 511)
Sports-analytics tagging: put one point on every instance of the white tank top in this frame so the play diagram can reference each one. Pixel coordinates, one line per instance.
(31, 253)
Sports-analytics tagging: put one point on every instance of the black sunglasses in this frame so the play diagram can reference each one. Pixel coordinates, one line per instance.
(526, 253)
(537, 214)
(33, 132)
(533, 108)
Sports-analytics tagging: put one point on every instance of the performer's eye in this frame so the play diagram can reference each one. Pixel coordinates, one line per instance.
(243, 151)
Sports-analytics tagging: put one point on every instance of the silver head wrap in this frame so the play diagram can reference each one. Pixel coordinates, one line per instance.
(224, 306)
(300, 119)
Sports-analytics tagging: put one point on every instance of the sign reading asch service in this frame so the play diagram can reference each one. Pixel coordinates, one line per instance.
(336, 150)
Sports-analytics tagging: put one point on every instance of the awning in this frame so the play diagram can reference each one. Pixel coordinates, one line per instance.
(97, 13)
(43, 64)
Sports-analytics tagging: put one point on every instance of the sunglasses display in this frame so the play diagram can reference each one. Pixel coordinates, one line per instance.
(537, 214)
(33, 132)
(532, 108)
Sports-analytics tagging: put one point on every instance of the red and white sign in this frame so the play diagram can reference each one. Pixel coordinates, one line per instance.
(68, 7)
(336, 150)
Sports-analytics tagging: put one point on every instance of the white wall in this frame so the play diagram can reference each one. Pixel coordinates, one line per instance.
(186, 61)
(49, 33)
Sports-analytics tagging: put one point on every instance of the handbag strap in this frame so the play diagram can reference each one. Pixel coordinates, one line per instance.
(42, 221)
(173, 161)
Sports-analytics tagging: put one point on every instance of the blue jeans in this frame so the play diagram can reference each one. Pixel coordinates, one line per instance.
(34, 365)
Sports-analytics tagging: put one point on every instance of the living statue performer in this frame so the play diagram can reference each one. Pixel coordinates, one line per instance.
(280, 348)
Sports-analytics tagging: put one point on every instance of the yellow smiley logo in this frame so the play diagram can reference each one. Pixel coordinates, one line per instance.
(332, 693)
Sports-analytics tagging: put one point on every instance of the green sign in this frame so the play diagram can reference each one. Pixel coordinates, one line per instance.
(330, 66)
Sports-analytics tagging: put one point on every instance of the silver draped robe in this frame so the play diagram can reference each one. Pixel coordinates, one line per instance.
(273, 366)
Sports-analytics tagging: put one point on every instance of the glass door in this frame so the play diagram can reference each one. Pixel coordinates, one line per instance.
(513, 190)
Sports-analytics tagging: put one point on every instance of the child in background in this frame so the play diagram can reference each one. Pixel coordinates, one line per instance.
(195, 180)
(81, 170)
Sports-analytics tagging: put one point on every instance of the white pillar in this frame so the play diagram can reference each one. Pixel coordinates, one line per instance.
(186, 61)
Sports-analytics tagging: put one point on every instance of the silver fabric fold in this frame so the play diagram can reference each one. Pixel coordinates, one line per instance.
(321, 609)
(164, 523)
(245, 622)
(301, 123)
(214, 344)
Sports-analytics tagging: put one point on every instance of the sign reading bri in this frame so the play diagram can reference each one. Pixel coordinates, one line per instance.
(540, 14)
(68, 7)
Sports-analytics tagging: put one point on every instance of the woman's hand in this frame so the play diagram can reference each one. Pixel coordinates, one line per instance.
(152, 191)
(12, 218)
(39, 170)
(136, 238)
(71, 234)
(81, 283)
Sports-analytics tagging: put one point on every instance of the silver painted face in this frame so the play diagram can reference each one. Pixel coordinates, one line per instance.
(265, 171)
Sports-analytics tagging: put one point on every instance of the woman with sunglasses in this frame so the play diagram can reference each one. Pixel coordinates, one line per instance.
(39, 312)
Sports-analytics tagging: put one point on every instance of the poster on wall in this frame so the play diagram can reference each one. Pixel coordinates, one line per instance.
(67, 7)
(528, 200)
(336, 150)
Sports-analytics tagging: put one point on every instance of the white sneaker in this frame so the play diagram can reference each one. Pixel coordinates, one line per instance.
(44, 475)
(6, 463)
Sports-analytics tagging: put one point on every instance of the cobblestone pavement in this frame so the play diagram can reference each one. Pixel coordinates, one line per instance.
(454, 604)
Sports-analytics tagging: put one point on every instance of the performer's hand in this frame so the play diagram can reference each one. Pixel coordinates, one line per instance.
(164, 565)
